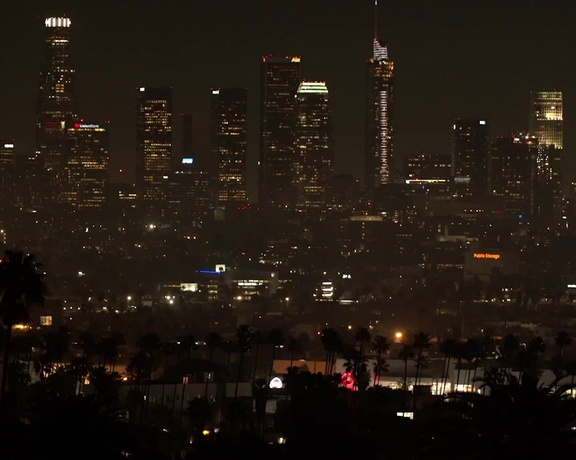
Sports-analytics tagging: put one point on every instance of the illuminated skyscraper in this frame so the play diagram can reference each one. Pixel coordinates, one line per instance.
(314, 161)
(7, 172)
(228, 133)
(55, 109)
(154, 144)
(470, 157)
(546, 117)
(379, 156)
(280, 80)
(86, 170)
(546, 124)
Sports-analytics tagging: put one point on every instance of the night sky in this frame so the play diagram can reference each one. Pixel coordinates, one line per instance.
(453, 58)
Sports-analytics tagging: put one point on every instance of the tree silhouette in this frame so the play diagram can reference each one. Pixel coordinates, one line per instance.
(21, 288)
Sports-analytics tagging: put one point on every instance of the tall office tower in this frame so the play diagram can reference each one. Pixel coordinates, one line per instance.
(7, 173)
(546, 117)
(513, 172)
(87, 167)
(280, 80)
(229, 141)
(379, 155)
(314, 145)
(428, 166)
(470, 157)
(546, 124)
(55, 109)
(154, 145)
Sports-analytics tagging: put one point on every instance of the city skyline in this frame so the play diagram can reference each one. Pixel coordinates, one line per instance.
(460, 27)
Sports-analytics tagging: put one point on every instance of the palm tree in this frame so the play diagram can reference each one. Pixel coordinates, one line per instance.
(213, 341)
(256, 339)
(87, 345)
(562, 341)
(447, 347)
(380, 345)
(21, 287)
(332, 345)
(406, 353)
(243, 344)
(276, 339)
(361, 336)
(421, 342)
(293, 347)
(508, 349)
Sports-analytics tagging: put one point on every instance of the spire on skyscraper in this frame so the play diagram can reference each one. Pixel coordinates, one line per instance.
(380, 49)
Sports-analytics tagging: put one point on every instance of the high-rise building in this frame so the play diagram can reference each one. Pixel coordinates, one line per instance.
(55, 108)
(7, 172)
(470, 157)
(546, 117)
(314, 146)
(229, 142)
(154, 144)
(428, 166)
(513, 172)
(546, 124)
(280, 79)
(379, 155)
(87, 167)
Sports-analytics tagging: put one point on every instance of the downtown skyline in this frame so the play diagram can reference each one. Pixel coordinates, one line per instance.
(426, 103)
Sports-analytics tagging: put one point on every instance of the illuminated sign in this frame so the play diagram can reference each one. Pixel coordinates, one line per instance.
(57, 22)
(215, 92)
(485, 255)
(189, 287)
(482, 122)
(187, 161)
(220, 268)
(86, 126)
(348, 381)
(276, 383)
(8, 146)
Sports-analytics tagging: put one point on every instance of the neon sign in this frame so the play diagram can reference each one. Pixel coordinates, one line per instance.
(485, 255)
(349, 381)
(276, 383)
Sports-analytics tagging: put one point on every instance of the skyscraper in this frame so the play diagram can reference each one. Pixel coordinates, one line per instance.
(379, 155)
(470, 157)
(280, 80)
(546, 124)
(513, 165)
(154, 144)
(229, 140)
(7, 172)
(546, 117)
(87, 166)
(55, 109)
(314, 159)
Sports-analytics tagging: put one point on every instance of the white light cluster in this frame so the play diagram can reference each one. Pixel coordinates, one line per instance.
(313, 87)
(57, 22)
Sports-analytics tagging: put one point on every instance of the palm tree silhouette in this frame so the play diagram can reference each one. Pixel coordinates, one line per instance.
(381, 345)
(243, 345)
(213, 341)
(276, 339)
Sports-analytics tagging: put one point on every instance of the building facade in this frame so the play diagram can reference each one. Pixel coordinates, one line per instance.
(547, 125)
(314, 160)
(55, 106)
(154, 144)
(379, 155)
(427, 166)
(280, 79)
(229, 142)
(547, 118)
(470, 157)
(514, 176)
(87, 166)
